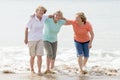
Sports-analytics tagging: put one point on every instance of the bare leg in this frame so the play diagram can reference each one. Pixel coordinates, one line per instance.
(52, 63)
(32, 63)
(85, 61)
(39, 63)
(80, 63)
(52, 66)
(48, 63)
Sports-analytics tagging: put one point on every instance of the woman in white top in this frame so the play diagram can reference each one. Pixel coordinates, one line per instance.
(34, 37)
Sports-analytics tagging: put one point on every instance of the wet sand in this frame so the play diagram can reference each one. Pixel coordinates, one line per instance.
(65, 72)
(28, 76)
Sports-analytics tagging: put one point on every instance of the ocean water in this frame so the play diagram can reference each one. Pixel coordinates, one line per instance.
(103, 15)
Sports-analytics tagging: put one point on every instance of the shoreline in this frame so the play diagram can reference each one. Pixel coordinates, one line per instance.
(64, 72)
(72, 70)
(28, 76)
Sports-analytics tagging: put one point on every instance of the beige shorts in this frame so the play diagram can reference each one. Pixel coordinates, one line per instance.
(36, 48)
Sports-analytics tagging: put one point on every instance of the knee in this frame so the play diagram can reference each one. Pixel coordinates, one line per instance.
(39, 57)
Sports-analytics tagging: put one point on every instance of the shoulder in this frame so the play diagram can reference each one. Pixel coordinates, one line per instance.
(30, 22)
(62, 20)
(45, 17)
(49, 19)
(88, 24)
(31, 19)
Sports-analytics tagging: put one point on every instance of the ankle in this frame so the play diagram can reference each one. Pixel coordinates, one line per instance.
(39, 71)
(32, 70)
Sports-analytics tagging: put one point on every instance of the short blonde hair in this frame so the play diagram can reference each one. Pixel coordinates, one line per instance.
(82, 16)
(58, 12)
(41, 7)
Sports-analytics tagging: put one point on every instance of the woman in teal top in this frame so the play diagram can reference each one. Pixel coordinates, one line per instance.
(51, 29)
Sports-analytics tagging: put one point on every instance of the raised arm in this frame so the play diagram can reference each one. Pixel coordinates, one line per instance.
(50, 16)
(68, 22)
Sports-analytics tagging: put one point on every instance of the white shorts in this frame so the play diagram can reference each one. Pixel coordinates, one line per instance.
(36, 48)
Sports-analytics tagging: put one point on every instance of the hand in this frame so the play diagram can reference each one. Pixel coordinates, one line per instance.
(25, 41)
(90, 45)
(50, 16)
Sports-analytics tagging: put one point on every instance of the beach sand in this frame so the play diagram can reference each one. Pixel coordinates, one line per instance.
(65, 72)
(28, 76)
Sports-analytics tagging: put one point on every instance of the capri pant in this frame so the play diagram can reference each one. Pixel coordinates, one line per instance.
(82, 48)
(51, 48)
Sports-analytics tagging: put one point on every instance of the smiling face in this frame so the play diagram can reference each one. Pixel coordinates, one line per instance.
(78, 19)
(58, 15)
(40, 11)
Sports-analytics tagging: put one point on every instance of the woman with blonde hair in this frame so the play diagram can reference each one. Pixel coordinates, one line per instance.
(52, 28)
(83, 38)
(34, 37)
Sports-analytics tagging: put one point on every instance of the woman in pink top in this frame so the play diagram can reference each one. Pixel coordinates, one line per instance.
(83, 37)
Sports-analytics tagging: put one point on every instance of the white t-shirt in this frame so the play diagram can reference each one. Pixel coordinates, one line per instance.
(35, 28)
